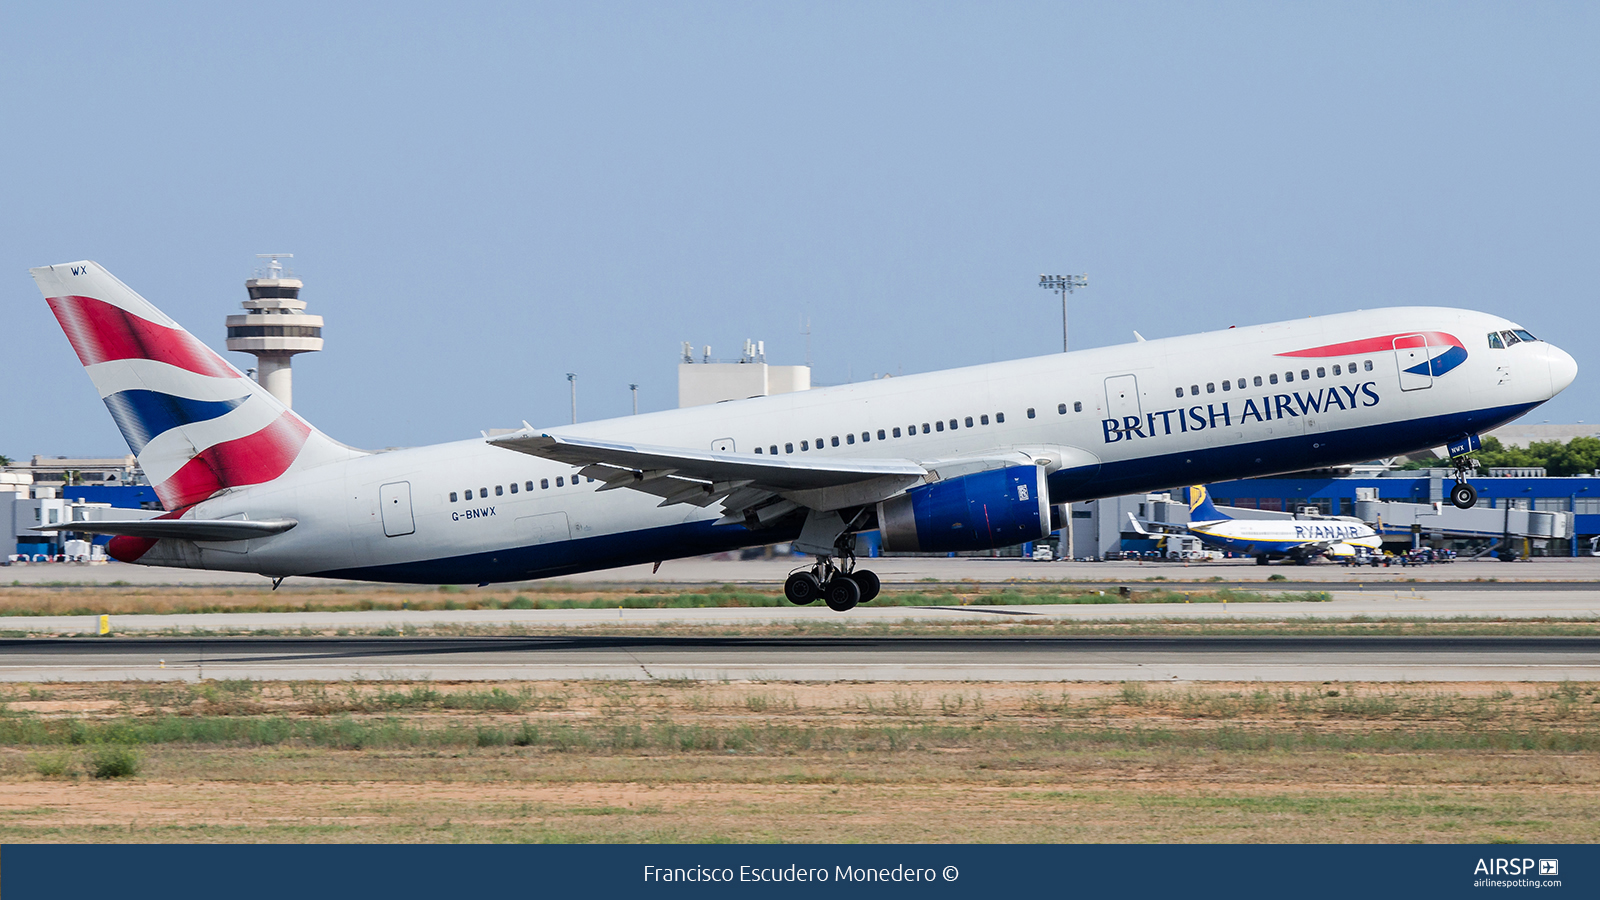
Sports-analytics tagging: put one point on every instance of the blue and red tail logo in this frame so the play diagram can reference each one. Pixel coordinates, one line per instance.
(1441, 351)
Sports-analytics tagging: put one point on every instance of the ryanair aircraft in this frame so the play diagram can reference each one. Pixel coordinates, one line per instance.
(961, 459)
(1269, 539)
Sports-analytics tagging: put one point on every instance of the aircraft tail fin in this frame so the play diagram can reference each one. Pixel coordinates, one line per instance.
(197, 424)
(1200, 508)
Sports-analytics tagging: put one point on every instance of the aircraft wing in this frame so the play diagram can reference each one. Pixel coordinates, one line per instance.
(1155, 527)
(182, 529)
(745, 483)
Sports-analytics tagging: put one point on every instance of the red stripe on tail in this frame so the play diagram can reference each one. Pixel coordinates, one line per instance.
(253, 459)
(100, 332)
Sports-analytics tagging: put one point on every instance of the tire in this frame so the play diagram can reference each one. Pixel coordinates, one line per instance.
(1261, 560)
(842, 594)
(802, 588)
(868, 582)
(1463, 496)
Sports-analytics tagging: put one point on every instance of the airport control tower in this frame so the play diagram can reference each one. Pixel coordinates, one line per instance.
(275, 326)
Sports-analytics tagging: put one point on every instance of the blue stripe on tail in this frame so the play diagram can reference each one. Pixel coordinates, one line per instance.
(142, 415)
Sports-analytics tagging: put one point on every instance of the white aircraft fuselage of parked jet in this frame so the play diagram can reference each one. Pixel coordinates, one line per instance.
(960, 459)
(1268, 539)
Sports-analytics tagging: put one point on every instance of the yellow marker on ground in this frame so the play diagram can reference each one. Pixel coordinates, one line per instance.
(105, 625)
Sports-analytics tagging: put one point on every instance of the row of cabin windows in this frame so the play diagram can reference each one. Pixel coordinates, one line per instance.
(885, 434)
(927, 428)
(1499, 340)
(500, 489)
(1305, 375)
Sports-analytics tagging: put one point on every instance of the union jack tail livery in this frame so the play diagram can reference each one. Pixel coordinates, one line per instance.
(197, 424)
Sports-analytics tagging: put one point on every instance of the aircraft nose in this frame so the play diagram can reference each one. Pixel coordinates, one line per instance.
(1563, 368)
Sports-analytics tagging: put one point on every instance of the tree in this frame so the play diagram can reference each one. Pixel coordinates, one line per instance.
(4, 460)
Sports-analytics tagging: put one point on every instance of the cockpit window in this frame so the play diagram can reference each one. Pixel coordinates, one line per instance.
(1510, 338)
(1524, 335)
(1494, 341)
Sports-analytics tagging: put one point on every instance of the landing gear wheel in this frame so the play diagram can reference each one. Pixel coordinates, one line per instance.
(1463, 496)
(867, 582)
(842, 594)
(1262, 560)
(802, 588)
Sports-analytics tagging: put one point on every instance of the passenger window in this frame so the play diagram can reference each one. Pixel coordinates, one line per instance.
(1351, 367)
(819, 443)
(1061, 409)
(999, 418)
(1258, 381)
(1030, 412)
(1194, 389)
(1180, 392)
(499, 490)
(925, 429)
(575, 479)
(1336, 370)
(968, 421)
(867, 437)
(774, 450)
(835, 441)
(468, 493)
(561, 481)
(529, 485)
(788, 448)
(804, 446)
(1288, 376)
(758, 450)
(544, 484)
(851, 439)
(982, 420)
(1305, 374)
(1077, 406)
(1227, 385)
(1367, 364)
(1494, 341)
(452, 496)
(897, 431)
(484, 493)
(939, 425)
(1273, 378)
(1241, 384)
(513, 487)
(1321, 372)
(1211, 387)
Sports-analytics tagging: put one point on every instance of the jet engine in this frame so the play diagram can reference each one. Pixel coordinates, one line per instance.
(982, 511)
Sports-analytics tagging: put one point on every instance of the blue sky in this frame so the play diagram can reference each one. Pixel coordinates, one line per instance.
(483, 197)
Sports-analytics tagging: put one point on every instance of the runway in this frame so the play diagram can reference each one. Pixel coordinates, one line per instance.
(1163, 659)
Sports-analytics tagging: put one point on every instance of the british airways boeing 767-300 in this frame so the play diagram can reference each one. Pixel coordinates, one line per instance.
(961, 459)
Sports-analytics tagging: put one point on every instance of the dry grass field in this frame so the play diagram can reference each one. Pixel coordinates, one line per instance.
(695, 762)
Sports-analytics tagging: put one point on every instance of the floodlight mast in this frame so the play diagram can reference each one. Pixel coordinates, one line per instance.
(1063, 285)
(572, 379)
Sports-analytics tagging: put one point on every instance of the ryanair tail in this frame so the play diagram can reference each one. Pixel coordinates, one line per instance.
(1200, 508)
(197, 424)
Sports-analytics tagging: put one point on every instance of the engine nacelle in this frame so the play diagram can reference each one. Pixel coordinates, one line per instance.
(982, 511)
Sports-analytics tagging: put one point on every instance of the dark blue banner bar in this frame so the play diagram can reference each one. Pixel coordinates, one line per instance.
(440, 872)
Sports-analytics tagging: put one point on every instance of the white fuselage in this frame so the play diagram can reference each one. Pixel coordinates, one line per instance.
(1120, 419)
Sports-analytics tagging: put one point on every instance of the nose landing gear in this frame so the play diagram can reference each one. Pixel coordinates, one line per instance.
(1463, 495)
(841, 585)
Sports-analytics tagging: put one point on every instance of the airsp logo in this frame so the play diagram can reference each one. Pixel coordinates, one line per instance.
(1549, 867)
(1501, 866)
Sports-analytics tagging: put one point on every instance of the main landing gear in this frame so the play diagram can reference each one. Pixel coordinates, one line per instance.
(841, 585)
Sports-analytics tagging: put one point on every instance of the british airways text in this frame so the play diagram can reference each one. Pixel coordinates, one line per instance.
(1264, 409)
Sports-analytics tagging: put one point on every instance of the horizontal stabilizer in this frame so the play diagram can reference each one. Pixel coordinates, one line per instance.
(182, 529)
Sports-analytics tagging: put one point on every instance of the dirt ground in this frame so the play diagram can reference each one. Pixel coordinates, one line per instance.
(757, 762)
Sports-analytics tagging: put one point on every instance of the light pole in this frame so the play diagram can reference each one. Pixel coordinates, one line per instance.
(572, 379)
(1063, 285)
(635, 389)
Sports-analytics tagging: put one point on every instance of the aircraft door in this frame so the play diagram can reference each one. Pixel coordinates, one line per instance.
(395, 501)
(1411, 352)
(1122, 398)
